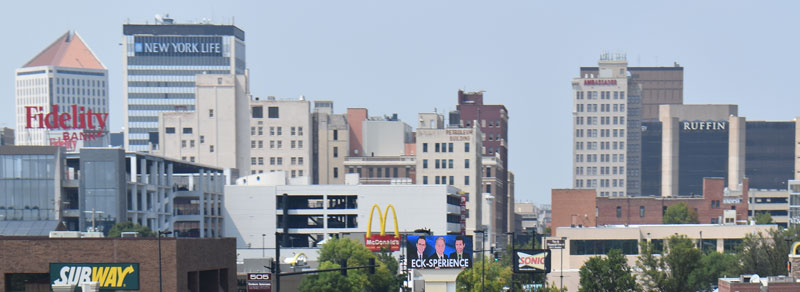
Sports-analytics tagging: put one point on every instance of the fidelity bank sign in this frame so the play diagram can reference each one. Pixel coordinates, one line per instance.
(178, 46)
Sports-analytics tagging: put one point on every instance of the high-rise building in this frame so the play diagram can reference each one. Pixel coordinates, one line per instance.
(330, 144)
(160, 63)
(612, 101)
(280, 136)
(217, 132)
(492, 119)
(62, 97)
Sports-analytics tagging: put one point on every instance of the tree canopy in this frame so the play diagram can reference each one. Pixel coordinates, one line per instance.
(607, 274)
(127, 226)
(763, 218)
(335, 251)
(680, 214)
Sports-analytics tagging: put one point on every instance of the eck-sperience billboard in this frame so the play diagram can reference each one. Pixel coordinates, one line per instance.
(438, 252)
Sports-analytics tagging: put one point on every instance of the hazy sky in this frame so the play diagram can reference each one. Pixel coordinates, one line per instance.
(408, 57)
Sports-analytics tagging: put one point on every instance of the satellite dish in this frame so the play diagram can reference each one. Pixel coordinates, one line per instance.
(755, 279)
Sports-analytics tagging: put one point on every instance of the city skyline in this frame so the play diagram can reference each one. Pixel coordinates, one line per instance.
(411, 58)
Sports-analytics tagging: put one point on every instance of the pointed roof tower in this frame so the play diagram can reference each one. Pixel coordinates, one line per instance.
(69, 50)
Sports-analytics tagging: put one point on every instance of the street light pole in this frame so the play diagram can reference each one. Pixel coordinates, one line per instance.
(564, 239)
(160, 285)
(513, 256)
(483, 256)
(263, 252)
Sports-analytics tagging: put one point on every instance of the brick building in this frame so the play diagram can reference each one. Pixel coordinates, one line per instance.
(582, 208)
(747, 283)
(186, 263)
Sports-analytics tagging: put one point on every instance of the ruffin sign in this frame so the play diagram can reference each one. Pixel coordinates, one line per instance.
(376, 242)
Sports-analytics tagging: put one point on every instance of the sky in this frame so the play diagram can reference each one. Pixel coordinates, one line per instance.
(408, 57)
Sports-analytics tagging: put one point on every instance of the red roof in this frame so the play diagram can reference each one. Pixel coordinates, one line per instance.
(69, 50)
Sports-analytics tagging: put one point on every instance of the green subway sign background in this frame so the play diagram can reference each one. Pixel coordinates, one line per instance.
(113, 276)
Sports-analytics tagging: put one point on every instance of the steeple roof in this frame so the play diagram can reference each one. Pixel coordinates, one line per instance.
(69, 50)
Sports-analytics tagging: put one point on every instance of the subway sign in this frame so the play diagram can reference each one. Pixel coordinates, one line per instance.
(177, 46)
(112, 276)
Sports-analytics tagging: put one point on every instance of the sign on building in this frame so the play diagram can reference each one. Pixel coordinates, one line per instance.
(113, 276)
(259, 282)
(532, 261)
(376, 242)
(439, 252)
(556, 243)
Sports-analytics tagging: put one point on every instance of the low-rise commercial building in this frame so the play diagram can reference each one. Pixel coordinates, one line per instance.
(584, 243)
(129, 263)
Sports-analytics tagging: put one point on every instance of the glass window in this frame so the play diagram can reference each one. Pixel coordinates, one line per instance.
(187, 130)
(424, 163)
(466, 147)
(466, 180)
(273, 112)
(619, 212)
(450, 146)
(466, 163)
(424, 147)
(641, 211)
(170, 130)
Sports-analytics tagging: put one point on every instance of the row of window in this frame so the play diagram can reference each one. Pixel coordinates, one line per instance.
(593, 133)
(599, 120)
(444, 180)
(592, 183)
(79, 82)
(273, 144)
(381, 171)
(603, 94)
(275, 131)
(613, 194)
(604, 108)
(604, 170)
(443, 163)
(257, 112)
(579, 145)
(603, 157)
(275, 161)
(81, 91)
(443, 147)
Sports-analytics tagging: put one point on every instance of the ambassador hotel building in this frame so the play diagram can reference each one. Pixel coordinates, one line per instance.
(160, 64)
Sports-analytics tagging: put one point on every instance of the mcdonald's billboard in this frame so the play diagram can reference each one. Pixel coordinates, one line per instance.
(375, 242)
(439, 252)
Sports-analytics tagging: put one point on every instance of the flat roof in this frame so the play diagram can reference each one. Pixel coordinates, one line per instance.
(183, 30)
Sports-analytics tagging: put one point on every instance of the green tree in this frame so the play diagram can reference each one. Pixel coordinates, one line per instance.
(495, 276)
(610, 273)
(767, 254)
(127, 226)
(712, 267)
(334, 252)
(670, 271)
(763, 218)
(653, 275)
(680, 214)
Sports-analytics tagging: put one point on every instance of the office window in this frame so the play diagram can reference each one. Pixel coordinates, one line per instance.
(300, 160)
(452, 180)
(183, 143)
(335, 135)
(425, 180)
(466, 163)
(489, 189)
(191, 159)
(294, 173)
(300, 144)
(272, 161)
(641, 211)
(191, 143)
(450, 163)
(257, 112)
(293, 144)
(335, 172)
(380, 172)
(271, 144)
(280, 160)
(271, 131)
(260, 131)
(335, 152)
(424, 147)
(253, 161)
(436, 147)
(619, 212)
(187, 130)
(294, 161)
(466, 180)
(437, 179)
(210, 113)
(211, 148)
(300, 172)
(170, 130)
(293, 132)
(386, 172)
(252, 131)
(424, 163)
(299, 131)
(394, 172)
(450, 147)
(437, 163)
(260, 144)
(202, 139)
(488, 172)
(280, 144)
(253, 144)
(273, 112)
(279, 131)
(261, 161)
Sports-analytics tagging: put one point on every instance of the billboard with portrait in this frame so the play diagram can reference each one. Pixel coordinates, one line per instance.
(438, 251)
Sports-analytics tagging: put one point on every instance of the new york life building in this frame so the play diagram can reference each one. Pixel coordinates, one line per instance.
(160, 63)
(62, 97)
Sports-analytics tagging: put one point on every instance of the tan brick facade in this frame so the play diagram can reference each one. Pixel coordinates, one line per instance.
(182, 259)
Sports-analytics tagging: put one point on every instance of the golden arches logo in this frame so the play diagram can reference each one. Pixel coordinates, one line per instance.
(382, 217)
(795, 248)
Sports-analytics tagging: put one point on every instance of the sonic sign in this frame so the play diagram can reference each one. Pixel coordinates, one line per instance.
(114, 276)
(532, 261)
(377, 242)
